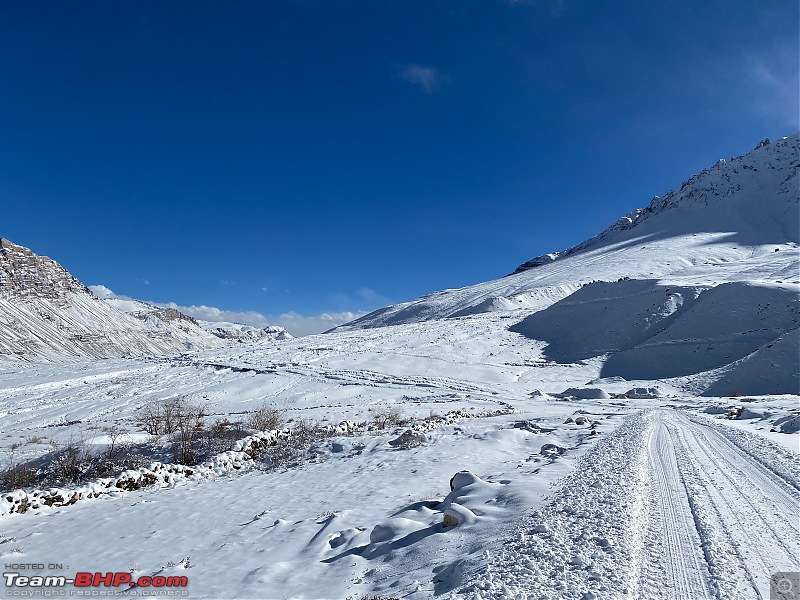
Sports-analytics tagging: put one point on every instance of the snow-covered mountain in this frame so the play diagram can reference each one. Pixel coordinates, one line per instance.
(619, 435)
(736, 221)
(704, 279)
(234, 332)
(245, 333)
(46, 314)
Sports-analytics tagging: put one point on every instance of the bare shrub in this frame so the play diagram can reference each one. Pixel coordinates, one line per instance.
(188, 421)
(73, 460)
(387, 417)
(114, 432)
(163, 417)
(265, 418)
(180, 419)
(16, 475)
(220, 435)
(227, 430)
(294, 451)
(150, 418)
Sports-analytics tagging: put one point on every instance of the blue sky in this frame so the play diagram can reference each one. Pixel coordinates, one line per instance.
(310, 157)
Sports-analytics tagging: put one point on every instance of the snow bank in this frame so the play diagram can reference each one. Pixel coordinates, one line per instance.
(575, 543)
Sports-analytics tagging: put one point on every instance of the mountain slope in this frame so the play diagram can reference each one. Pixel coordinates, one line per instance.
(702, 284)
(46, 314)
(736, 221)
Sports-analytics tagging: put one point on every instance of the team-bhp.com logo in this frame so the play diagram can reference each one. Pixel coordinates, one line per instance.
(21, 585)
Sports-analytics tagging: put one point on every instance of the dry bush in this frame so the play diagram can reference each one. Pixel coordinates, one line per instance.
(150, 418)
(294, 451)
(71, 462)
(265, 418)
(387, 417)
(188, 421)
(227, 430)
(163, 417)
(180, 419)
(16, 475)
(220, 435)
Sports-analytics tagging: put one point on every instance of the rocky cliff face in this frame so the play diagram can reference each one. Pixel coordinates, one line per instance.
(24, 274)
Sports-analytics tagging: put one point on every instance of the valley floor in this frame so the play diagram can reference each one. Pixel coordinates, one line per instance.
(666, 500)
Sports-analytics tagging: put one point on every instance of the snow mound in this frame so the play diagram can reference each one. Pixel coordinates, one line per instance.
(772, 369)
(788, 424)
(644, 393)
(552, 450)
(409, 439)
(393, 529)
(470, 499)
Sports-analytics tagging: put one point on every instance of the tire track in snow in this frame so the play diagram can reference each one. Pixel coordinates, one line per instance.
(674, 565)
(665, 507)
(747, 515)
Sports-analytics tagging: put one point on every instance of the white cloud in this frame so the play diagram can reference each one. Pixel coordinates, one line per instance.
(774, 83)
(293, 322)
(428, 78)
(298, 324)
(102, 291)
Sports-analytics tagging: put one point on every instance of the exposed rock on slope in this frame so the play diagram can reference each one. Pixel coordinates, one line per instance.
(233, 332)
(24, 274)
(245, 333)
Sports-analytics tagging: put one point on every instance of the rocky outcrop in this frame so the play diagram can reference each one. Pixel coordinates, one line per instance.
(24, 274)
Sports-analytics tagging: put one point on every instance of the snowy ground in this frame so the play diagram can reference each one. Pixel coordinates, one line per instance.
(669, 499)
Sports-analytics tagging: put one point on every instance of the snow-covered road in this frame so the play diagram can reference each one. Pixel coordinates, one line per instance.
(700, 512)
(710, 490)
